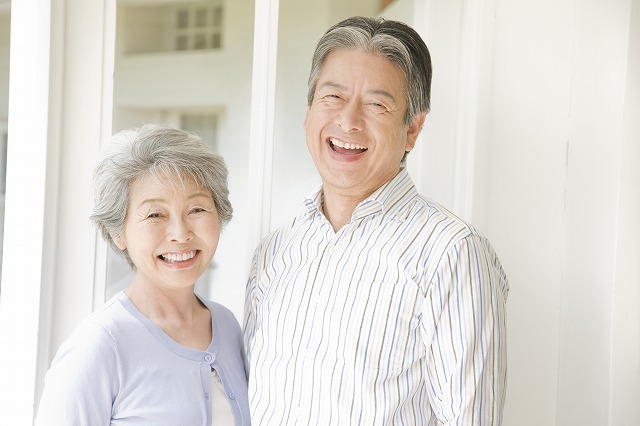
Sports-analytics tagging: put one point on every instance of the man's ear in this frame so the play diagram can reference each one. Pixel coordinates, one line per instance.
(414, 130)
(119, 240)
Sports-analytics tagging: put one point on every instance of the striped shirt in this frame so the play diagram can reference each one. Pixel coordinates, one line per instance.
(396, 319)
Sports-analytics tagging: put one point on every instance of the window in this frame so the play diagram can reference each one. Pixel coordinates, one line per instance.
(158, 27)
(196, 26)
(204, 125)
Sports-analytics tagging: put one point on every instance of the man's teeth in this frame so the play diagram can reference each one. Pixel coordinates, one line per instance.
(346, 145)
(178, 257)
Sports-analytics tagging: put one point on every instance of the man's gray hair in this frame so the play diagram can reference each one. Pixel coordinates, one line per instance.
(394, 40)
(165, 152)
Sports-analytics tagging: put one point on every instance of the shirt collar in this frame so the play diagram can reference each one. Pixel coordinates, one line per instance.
(390, 198)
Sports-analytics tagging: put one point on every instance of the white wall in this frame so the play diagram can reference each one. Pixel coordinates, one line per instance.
(550, 194)
(625, 341)
(519, 189)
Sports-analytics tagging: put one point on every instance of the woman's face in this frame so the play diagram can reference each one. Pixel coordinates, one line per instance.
(171, 232)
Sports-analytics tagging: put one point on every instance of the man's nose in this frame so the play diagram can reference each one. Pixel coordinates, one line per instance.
(350, 118)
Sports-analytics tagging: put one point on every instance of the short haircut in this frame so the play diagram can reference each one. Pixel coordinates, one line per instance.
(164, 152)
(395, 41)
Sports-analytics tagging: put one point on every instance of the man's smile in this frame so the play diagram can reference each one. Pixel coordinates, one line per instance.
(336, 143)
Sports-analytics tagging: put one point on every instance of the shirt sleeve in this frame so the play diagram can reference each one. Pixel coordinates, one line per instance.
(463, 327)
(250, 306)
(82, 383)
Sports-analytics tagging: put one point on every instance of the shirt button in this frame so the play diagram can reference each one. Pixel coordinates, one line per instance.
(208, 358)
(331, 250)
(232, 396)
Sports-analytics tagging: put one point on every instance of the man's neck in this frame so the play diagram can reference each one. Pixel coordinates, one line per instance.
(338, 208)
(338, 204)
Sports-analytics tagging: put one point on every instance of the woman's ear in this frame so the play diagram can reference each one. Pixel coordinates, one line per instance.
(119, 240)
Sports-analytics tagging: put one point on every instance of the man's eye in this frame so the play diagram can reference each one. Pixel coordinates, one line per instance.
(153, 215)
(375, 106)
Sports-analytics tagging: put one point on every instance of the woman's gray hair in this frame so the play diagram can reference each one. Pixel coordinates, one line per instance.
(394, 40)
(164, 152)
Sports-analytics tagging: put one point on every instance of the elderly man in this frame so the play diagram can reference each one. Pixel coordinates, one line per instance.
(375, 306)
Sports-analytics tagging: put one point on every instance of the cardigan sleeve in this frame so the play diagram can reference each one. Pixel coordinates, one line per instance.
(82, 384)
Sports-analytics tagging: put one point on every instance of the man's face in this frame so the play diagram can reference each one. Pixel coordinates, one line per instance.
(355, 125)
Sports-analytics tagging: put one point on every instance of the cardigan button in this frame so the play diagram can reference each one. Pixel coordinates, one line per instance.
(232, 396)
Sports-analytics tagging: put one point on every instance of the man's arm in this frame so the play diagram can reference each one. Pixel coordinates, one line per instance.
(463, 324)
(250, 304)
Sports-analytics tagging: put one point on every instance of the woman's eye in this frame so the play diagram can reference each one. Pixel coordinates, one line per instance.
(153, 215)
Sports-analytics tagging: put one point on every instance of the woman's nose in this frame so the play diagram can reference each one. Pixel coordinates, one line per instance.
(179, 230)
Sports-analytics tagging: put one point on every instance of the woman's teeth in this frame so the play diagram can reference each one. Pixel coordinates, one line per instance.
(178, 257)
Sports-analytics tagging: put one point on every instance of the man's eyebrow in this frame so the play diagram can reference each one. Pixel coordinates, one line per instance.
(384, 93)
(380, 92)
(332, 85)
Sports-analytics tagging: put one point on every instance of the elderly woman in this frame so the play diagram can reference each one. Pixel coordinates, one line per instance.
(156, 353)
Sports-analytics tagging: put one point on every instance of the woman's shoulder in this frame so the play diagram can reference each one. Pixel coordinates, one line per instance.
(110, 325)
(112, 316)
(92, 339)
(223, 315)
